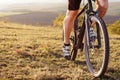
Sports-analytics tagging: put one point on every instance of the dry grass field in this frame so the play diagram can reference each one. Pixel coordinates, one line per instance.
(34, 53)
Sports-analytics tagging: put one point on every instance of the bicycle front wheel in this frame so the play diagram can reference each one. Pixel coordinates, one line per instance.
(97, 50)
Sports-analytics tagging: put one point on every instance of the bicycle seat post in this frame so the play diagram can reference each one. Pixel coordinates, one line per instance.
(90, 7)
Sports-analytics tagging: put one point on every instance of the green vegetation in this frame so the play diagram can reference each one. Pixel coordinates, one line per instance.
(34, 53)
(58, 22)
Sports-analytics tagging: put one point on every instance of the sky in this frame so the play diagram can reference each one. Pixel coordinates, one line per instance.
(40, 1)
(29, 1)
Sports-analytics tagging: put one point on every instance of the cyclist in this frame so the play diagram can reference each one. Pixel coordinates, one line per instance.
(72, 12)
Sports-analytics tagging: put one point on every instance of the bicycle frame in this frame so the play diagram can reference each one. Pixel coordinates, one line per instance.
(84, 29)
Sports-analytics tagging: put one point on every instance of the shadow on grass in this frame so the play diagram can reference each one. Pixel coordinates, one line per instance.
(80, 62)
(57, 55)
(113, 72)
(105, 77)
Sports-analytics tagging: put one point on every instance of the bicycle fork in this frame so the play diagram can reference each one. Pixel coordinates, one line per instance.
(87, 29)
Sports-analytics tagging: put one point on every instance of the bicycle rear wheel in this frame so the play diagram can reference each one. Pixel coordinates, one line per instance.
(97, 51)
(74, 39)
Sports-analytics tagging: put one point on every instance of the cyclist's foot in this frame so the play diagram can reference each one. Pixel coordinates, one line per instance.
(66, 51)
(93, 35)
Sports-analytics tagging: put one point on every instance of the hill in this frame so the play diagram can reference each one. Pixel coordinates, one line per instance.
(114, 9)
(39, 14)
(33, 13)
(113, 13)
(33, 18)
(111, 19)
(34, 53)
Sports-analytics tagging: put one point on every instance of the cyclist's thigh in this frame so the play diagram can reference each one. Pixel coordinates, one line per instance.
(74, 4)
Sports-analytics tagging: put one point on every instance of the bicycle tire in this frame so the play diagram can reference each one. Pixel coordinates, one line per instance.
(102, 27)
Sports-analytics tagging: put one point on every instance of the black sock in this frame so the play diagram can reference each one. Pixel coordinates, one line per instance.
(66, 44)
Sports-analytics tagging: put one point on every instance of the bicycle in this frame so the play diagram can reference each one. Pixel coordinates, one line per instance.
(93, 48)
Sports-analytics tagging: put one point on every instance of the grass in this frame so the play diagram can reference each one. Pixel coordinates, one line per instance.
(34, 53)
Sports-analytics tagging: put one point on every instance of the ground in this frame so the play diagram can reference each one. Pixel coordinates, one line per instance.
(34, 53)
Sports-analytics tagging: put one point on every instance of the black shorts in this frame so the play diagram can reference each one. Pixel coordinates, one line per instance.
(74, 4)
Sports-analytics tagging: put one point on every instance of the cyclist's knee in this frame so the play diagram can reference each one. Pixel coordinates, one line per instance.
(102, 7)
(103, 4)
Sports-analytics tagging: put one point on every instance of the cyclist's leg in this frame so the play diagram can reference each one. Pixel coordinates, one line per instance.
(68, 24)
(102, 7)
(73, 9)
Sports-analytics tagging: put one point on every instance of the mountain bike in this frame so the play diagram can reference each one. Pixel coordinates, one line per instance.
(96, 49)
